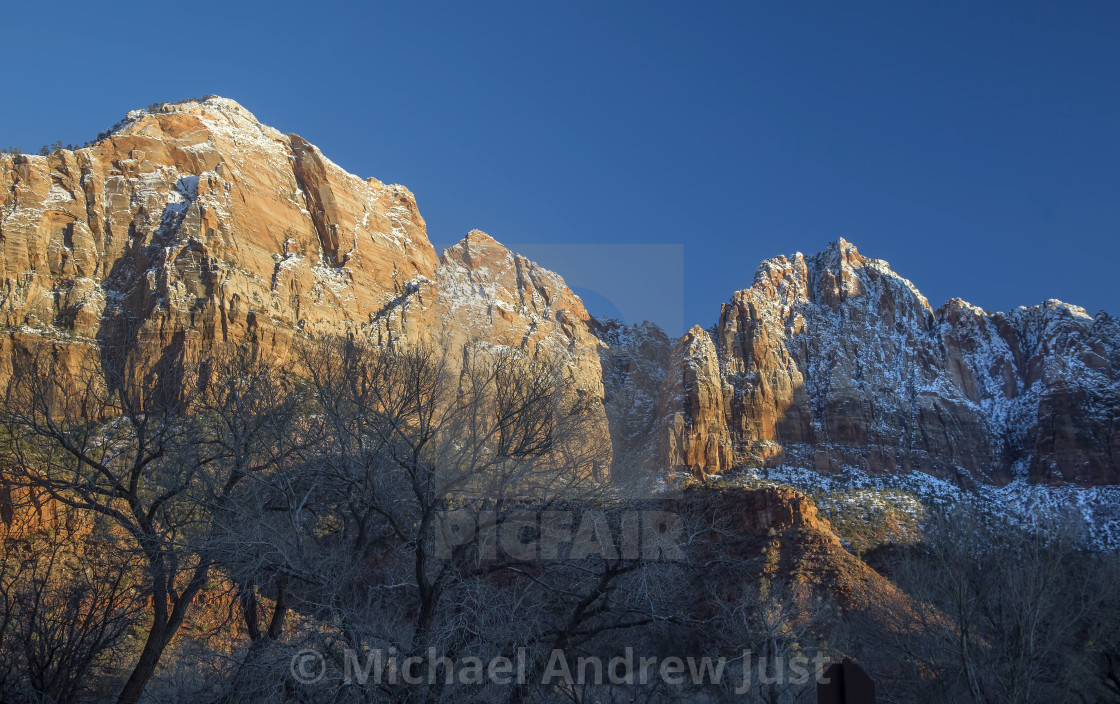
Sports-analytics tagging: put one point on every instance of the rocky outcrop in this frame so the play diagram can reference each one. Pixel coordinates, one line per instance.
(486, 294)
(835, 360)
(693, 408)
(193, 220)
(485, 291)
(1048, 382)
(193, 223)
(774, 535)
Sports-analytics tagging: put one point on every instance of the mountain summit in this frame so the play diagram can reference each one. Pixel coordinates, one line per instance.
(835, 361)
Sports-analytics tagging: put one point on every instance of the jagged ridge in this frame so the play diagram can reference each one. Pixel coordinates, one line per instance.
(836, 361)
(192, 222)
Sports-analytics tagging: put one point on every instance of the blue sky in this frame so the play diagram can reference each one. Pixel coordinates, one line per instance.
(974, 145)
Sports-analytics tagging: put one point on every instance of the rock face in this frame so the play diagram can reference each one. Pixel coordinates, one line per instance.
(634, 361)
(485, 291)
(192, 223)
(195, 220)
(488, 294)
(775, 534)
(693, 408)
(836, 360)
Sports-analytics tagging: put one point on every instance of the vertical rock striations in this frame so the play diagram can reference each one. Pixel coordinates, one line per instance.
(835, 360)
(693, 408)
(192, 223)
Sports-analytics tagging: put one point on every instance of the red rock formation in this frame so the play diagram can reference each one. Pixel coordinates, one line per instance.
(835, 360)
(196, 218)
(776, 534)
(192, 223)
(693, 408)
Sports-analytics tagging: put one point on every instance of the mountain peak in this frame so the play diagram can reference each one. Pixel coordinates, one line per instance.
(479, 238)
(208, 103)
(211, 107)
(841, 251)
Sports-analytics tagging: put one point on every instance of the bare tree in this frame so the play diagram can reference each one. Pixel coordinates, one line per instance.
(1000, 612)
(145, 448)
(68, 600)
(409, 434)
(777, 622)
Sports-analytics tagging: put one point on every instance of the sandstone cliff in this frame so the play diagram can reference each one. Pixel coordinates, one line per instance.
(192, 223)
(194, 219)
(836, 360)
(693, 407)
(775, 535)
